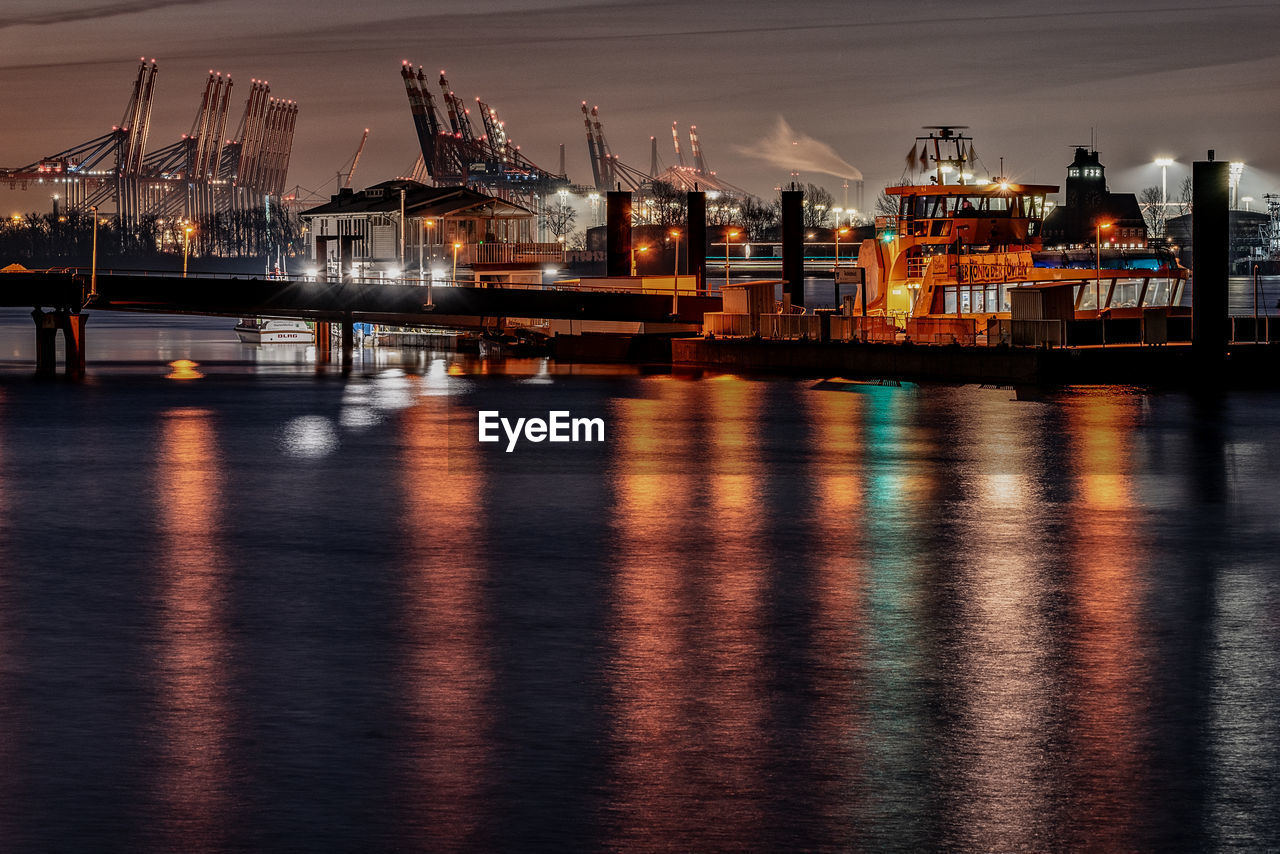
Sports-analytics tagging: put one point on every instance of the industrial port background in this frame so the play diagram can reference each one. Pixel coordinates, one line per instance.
(1030, 79)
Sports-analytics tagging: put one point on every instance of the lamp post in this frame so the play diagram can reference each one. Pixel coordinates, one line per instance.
(1097, 243)
(1255, 304)
(835, 270)
(186, 245)
(675, 275)
(1164, 163)
(1236, 169)
(422, 242)
(456, 247)
(93, 274)
(728, 236)
(634, 250)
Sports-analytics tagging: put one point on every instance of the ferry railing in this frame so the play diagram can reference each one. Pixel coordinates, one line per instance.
(1248, 330)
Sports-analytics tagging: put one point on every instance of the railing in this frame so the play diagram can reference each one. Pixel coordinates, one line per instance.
(877, 330)
(790, 326)
(725, 325)
(943, 330)
(511, 253)
(1245, 331)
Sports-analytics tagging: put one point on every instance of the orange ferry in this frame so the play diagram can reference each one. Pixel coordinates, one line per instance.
(957, 247)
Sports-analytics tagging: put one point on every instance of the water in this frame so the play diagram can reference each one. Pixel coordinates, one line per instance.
(267, 608)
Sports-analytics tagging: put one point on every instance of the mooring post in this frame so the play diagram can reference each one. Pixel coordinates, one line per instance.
(72, 324)
(323, 341)
(793, 243)
(348, 341)
(1210, 229)
(618, 233)
(46, 343)
(696, 244)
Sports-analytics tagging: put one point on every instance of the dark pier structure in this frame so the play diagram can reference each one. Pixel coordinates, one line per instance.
(62, 300)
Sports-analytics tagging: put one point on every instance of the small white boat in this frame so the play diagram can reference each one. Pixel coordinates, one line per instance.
(252, 330)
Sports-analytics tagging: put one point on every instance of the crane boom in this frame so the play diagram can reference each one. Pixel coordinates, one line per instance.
(355, 161)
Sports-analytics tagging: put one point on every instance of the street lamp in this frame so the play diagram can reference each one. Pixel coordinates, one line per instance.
(186, 245)
(675, 274)
(1097, 242)
(93, 274)
(634, 250)
(835, 270)
(728, 236)
(456, 247)
(1236, 170)
(421, 245)
(837, 212)
(1164, 163)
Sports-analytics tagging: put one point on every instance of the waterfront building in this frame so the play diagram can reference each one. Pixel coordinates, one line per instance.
(1089, 203)
(405, 229)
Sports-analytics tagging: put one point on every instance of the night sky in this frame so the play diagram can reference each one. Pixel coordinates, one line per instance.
(1029, 79)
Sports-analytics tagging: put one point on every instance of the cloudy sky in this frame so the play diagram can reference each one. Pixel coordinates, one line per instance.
(1030, 79)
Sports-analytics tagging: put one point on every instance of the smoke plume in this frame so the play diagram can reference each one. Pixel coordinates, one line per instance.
(90, 13)
(789, 149)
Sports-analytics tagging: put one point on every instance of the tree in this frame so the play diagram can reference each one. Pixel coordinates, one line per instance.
(1184, 196)
(817, 202)
(758, 218)
(559, 218)
(665, 204)
(1152, 210)
(886, 205)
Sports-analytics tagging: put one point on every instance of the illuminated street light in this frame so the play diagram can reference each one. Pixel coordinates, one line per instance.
(1097, 242)
(1164, 163)
(93, 274)
(839, 231)
(1237, 169)
(675, 275)
(456, 247)
(728, 236)
(186, 246)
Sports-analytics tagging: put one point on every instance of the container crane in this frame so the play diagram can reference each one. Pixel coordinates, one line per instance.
(355, 160)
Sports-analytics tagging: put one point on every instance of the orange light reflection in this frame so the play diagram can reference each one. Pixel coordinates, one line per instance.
(1108, 642)
(193, 780)
(450, 675)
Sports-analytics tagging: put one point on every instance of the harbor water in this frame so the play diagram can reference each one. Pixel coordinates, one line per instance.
(246, 605)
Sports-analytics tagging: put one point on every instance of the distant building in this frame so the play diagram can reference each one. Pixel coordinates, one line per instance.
(1088, 204)
(1247, 236)
(358, 234)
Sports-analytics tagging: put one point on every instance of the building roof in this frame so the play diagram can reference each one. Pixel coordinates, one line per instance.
(419, 201)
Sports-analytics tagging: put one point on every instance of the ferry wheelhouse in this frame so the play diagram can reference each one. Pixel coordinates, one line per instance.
(957, 247)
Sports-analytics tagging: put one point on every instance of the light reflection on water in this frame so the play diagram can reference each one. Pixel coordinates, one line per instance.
(191, 644)
(446, 673)
(760, 617)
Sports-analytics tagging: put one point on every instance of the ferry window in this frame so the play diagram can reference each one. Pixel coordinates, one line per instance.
(941, 228)
(949, 300)
(925, 205)
(965, 207)
(904, 206)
